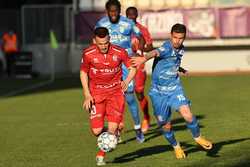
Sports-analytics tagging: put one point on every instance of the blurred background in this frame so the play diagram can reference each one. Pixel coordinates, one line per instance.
(218, 31)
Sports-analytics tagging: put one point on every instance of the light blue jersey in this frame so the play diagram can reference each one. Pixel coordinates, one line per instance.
(165, 76)
(166, 91)
(120, 33)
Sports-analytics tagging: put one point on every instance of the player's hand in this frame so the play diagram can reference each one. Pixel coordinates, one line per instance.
(137, 61)
(124, 85)
(183, 72)
(87, 103)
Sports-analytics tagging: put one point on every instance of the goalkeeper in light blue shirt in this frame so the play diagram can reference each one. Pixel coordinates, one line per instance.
(166, 90)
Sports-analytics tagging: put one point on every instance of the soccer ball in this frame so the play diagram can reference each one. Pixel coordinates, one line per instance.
(107, 141)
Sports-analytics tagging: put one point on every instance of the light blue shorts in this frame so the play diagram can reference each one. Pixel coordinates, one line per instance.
(164, 103)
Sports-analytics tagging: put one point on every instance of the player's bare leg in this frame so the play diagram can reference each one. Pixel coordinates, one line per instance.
(192, 124)
(100, 156)
(168, 133)
(119, 132)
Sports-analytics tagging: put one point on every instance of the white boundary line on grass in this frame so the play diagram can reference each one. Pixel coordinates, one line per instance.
(13, 93)
(52, 79)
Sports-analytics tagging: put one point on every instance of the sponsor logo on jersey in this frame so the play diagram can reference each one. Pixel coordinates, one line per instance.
(117, 38)
(107, 85)
(94, 70)
(162, 89)
(107, 71)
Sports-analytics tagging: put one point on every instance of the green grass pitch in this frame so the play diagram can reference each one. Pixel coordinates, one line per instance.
(46, 127)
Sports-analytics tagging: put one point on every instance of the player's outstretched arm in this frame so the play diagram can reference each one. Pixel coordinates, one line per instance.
(137, 61)
(88, 99)
(131, 75)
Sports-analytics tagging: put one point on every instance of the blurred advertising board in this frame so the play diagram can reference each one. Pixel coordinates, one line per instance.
(200, 22)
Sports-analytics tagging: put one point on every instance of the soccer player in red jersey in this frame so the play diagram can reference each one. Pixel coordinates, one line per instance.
(140, 77)
(103, 87)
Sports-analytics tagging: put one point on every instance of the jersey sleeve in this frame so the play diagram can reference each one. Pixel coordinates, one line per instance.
(135, 30)
(165, 50)
(85, 63)
(101, 22)
(125, 59)
(147, 37)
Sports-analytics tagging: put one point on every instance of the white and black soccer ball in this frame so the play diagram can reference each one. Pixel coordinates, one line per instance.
(107, 141)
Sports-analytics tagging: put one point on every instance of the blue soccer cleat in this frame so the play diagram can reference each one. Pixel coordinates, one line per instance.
(139, 136)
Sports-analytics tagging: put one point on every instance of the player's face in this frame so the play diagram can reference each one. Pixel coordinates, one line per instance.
(113, 13)
(177, 39)
(102, 44)
(132, 14)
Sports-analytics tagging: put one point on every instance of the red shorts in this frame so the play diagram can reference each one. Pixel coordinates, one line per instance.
(109, 107)
(140, 79)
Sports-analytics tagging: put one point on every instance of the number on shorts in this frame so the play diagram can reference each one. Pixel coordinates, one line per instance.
(180, 97)
(93, 110)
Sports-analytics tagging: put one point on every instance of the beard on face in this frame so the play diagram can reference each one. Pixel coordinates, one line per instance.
(114, 21)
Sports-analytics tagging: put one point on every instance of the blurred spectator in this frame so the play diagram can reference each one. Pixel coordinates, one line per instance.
(10, 48)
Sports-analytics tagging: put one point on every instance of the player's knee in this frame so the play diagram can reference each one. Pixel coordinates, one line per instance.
(167, 127)
(130, 98)
(186, 113)
(121, 126)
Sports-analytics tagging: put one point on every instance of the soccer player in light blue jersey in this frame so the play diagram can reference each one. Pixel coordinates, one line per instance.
(166, 91)
(121, 30)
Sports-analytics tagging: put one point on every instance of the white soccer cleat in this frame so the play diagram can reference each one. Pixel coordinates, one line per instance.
(100, 161)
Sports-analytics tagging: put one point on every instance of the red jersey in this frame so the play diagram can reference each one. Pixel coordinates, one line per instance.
(145, 34)
(104, 70)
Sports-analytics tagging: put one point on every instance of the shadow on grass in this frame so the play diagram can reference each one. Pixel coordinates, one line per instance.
(142, 153)
(155, 130)
(244, 163)
(189, 148)
(214, 152)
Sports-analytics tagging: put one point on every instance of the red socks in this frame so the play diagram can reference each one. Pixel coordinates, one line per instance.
(100, 153)
(144, 107)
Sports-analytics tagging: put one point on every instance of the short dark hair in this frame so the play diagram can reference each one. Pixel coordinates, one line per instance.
(131, 8)
(179, 28)
(101, 32)
(113, 2)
